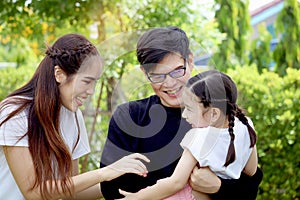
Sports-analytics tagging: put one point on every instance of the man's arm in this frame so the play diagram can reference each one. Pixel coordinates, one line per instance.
(110, 189)
(111, 153)
(246, 187)
(119, 144)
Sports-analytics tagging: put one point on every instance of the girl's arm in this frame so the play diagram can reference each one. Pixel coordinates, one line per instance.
(167, 186)
(251, 164)
(21, 165)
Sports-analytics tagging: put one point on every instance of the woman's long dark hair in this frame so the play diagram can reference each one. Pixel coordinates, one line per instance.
(216, 89)
(42, 99)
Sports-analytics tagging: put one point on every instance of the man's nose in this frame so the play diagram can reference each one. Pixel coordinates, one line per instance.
(169, 81)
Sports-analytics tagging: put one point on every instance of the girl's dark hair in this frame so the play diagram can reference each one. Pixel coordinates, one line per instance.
(156, 43)
(216, 89)
(42, 99)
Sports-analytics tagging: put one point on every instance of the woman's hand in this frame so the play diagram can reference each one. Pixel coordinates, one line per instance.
(204, 180)
(129, 164)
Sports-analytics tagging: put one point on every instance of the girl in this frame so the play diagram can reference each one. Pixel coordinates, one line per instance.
(42, 131)
(218, 124)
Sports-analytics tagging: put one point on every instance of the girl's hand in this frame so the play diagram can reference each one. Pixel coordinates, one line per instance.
(129, 164)
(128, 195)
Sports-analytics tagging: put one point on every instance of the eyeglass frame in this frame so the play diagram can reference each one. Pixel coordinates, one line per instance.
(169, 73)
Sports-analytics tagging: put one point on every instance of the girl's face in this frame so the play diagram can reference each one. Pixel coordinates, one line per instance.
(194, 111)
(170, 90)
(75, 89)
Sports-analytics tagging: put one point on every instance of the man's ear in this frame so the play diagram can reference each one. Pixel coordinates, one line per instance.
(59, 74)
(143, 70)
(191, 61)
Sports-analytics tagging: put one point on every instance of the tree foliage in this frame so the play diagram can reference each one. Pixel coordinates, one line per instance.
(287, 52)
(234, 20)
(35, 19)
(261, 53)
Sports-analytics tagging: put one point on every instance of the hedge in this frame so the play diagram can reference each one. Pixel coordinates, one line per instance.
(273, 103)
(13, 78)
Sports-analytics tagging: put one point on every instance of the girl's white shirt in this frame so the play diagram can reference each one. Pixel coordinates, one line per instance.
(209, 146)
(12, 130)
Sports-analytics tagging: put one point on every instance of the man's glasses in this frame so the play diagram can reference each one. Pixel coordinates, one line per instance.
(159, 78)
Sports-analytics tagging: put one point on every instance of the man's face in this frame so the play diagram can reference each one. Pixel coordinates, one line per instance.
(170, 90)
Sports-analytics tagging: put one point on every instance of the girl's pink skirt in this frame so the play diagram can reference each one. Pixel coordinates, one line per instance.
(184, 194)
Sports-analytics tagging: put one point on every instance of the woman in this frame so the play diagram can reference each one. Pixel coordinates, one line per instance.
(42, 131)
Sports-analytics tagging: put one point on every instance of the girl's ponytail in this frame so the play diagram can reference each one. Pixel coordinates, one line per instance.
(231, 150)
(241, 116)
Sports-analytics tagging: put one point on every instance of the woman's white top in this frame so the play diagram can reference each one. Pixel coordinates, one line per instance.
(12, 130)
(210, 145)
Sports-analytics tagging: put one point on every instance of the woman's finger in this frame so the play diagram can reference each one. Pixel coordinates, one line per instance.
(124, 192)
(139, 156)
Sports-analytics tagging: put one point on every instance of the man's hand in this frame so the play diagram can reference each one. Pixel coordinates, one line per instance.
(204, 180)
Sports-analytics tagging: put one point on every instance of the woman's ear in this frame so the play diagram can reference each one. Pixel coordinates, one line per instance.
(59, 74)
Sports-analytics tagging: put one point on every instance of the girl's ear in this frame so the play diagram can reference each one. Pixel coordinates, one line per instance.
(215, 114)
(59, 74)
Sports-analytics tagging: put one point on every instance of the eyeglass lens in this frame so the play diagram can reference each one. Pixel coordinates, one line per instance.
(158, 78)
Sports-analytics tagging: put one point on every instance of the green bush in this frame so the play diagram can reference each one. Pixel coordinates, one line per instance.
(13, 78)
(274, 106)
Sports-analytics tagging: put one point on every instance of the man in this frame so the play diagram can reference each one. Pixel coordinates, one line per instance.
(154, 127)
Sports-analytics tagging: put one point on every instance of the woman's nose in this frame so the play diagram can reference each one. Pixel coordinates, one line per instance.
(91, 90)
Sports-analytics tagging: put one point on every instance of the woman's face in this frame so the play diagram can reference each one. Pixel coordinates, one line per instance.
(170, 90)
(75, 89)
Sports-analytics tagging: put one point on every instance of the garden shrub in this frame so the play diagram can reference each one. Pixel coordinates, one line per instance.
(13, 78)
(273, 104)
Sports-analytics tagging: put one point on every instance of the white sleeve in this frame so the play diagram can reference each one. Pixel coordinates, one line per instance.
(201, 141)
(14, 129)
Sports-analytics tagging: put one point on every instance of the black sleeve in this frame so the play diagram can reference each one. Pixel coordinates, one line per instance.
(117, 145)
(246, 187)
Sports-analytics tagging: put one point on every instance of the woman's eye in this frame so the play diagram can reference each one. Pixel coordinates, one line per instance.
(87, 82)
